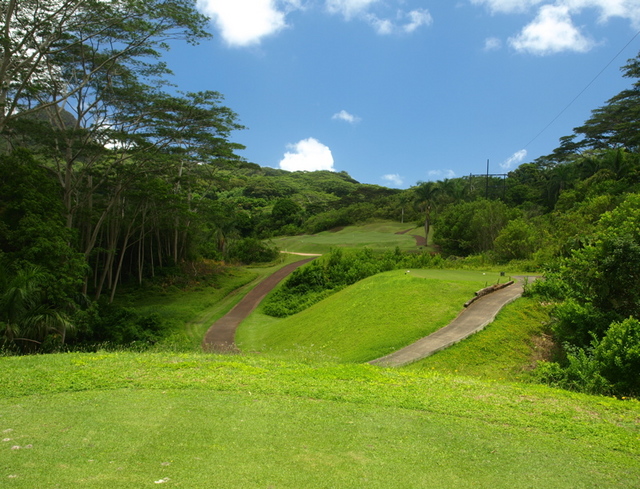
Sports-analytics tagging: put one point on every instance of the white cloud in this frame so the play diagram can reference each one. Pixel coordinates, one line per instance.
(417, 18)
(343, 115)
(349, 8)
(553, 29)
(307, 155)
(551, 32)
(492, 44)
(608, 8)
(515, 159)
(405, 22)
(246, 22)
(394, 179)
(381, 26)
(441, 174)
(507, 6)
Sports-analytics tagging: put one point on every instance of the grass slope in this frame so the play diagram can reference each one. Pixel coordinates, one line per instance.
(191, 312)
(121, 420)
(507, 349)
(369, 319)
(377, 236)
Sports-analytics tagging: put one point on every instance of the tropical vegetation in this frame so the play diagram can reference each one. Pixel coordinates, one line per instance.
(116, 181)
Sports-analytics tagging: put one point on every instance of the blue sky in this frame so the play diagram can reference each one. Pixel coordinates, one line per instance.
(400, 91)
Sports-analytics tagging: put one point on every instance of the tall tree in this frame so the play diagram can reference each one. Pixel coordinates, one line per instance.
(41, 39)
(615, 125)
(425, 195)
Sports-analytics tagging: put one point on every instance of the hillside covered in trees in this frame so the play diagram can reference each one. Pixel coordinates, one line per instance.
(111, 175)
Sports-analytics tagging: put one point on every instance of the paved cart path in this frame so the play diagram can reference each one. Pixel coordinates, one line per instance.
(471, 320)
(220, 337)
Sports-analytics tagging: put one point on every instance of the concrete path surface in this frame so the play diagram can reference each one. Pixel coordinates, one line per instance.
(471, 320)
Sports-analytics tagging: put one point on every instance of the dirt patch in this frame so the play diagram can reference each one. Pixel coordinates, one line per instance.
(544, 348)
(420, 240)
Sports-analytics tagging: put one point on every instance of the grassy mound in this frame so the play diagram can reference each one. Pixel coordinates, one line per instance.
(369, 319)
(120, 420)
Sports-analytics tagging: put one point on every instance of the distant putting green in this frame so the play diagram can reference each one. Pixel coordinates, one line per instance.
(377, 236)
(370, 319)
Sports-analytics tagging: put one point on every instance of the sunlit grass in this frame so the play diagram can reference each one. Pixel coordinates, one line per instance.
(370, 319)
(377, 236)
(120, 420)
(506, 349)
(191, 312)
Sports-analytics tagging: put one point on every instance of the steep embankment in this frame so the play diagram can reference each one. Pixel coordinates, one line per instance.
(369, 319)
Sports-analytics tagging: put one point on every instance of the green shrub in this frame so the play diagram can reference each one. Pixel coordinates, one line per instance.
(340, 268)
(618, 356)
(251, 250)
(123, 326)
(609, 366)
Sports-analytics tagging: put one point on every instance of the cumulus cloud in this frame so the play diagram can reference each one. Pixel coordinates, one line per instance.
(307, 155)
(247, 22)
(551, 32)
(381, 26)
(553, 28)
(343, 115)
(394, 179)
(405, 22)
(349, 8)
(515, 159)
(441, 174)
(507, 6)
(417, 18)
(492, 44)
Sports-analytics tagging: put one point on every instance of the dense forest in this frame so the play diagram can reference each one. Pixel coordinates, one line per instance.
(111, 175)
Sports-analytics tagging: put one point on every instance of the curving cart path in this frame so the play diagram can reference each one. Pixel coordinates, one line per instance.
(220, 337)
(471, 320)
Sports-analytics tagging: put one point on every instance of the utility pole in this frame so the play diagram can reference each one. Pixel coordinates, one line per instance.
(486, 191)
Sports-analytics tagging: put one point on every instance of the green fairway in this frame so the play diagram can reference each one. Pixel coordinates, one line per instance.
(368, 319)
(122, 420)
(377, 236)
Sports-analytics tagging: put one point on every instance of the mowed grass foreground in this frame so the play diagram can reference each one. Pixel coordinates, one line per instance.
(369, 319)
(121, 420)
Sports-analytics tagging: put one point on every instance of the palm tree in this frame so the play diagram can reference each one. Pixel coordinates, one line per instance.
(426, 193)
(26, 316)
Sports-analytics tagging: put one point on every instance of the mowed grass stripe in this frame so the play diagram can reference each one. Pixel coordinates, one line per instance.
(377, 236)
(196, 420)
(226, 440)
(369, 319)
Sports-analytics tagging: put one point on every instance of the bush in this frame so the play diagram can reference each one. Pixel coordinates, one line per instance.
(323, 277)
(516, 241)
(251, 250)
(123, 326)
(618, 356)
(608, 366)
